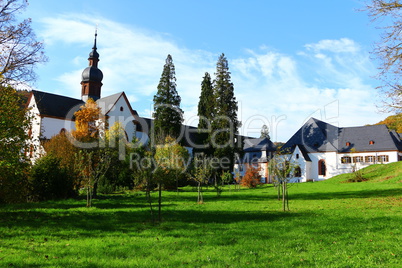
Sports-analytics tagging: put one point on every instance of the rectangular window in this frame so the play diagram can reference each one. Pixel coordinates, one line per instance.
(369, 159)
(346, 160)
(358, 159)
(383, 158)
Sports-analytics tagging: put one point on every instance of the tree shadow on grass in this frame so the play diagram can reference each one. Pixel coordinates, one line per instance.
(345, 194)
(93, 223)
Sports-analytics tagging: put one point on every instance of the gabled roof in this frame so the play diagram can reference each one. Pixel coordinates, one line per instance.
(54, 105)
(319, 136)
(314, 136)
(108, 103)
(258, 144)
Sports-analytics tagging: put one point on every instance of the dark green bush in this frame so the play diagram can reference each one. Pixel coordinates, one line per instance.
(13, 182)
(49, 181)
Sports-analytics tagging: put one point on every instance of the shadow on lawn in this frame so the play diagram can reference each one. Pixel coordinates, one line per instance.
(344, 194)
(96, 222)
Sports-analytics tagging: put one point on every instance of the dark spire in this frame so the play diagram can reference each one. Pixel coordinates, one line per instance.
(91, 82)
(94, 54)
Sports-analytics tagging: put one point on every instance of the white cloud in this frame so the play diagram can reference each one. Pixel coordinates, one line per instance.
(272, 88)
(343, 45)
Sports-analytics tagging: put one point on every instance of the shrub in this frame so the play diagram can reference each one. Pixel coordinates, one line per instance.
(105, 186)
(252, 178)
(48, 180)
(13, 182)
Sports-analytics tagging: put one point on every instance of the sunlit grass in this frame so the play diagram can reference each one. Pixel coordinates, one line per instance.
(331, 224)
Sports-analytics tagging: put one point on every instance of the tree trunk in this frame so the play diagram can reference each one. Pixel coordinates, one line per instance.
(200, 198)
(177, 184)
(88, 197)
(278, 187)
(149, 200)
(284, 196)
(95, 189)
(287, 197)
(160, 202)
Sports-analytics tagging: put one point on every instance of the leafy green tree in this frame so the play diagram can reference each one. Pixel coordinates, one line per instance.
(119, 173)
(283, 170)
(225, 123)
(20, 52)
(201, 172)
(171, 159)
(14, 130)
(142, 165)
(167, 112)
(389, 49)
(206, 113)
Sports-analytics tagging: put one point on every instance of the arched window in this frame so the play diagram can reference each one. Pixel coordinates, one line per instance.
(297, 172)
(321, 167)
(121, 109)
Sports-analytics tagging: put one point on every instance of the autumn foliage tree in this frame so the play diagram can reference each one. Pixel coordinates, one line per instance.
(252, 178)
(93, 159)
(393, 122)
(61, 147)
(89, 122)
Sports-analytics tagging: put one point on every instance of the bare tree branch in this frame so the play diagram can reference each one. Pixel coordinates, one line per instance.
(20, 52)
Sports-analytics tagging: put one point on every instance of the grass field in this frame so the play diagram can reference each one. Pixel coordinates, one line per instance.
(331, 224)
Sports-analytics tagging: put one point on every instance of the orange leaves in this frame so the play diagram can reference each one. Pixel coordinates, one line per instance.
(252, 178)
(88, 121)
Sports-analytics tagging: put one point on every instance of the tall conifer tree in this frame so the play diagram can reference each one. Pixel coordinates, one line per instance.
(225, 123)
(167, 112)
(206, 111)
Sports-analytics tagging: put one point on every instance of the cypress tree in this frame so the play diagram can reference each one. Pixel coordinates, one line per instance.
(167, 112)
(225, 123)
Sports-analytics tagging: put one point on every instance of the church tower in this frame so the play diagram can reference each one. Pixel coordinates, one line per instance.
(91, 82)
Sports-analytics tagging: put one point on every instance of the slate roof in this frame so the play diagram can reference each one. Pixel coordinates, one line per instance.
(318, 136)
(54, 105)
(258, 145)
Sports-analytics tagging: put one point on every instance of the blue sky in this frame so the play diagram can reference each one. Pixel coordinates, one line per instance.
(289, 60)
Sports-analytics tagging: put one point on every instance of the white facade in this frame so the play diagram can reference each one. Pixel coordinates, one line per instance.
(335, 163)
(44, 127)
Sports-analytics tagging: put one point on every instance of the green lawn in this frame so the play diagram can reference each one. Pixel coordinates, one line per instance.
(331, 224)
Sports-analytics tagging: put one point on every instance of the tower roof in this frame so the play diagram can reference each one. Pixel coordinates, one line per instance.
(92, 72)
(94, 54)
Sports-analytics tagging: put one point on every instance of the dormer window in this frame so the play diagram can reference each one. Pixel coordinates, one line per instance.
(371, 142)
